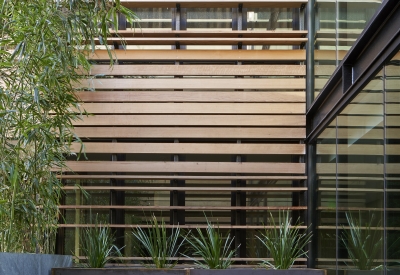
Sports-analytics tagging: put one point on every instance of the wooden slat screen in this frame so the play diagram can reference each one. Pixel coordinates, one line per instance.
(183, 133)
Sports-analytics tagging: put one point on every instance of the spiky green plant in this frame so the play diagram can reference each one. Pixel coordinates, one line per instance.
(97, 244)
(363, 243)
(284, 242)
(158, 244)
(214, 248)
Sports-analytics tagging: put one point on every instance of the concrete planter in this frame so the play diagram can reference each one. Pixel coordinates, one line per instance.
(32, 264)
(368, 272)
(118, 271)
(147, 271)
(259, 271)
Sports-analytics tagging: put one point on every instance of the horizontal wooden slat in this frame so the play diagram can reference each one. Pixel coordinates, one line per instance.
(325, 70)
(328, 54)
(361, 227)
(194, 96)
(204, 41)
(358, 168)
(368, 121)
(187, 70)
(393, 109)
(192, 120)
(190, 132)
(190, 148)
(334, 189)
(212, 4)
(349, 179)
(331, 55)
(366, 133)
(358, 149)
(221, 55)
(195, 208)
(364, 121)
(186, 226)
(192, 83)
(363, 109)
(355, 149)
(393, 97)
(188, 189)
(332, 33)
(186, 167)
(335, 41)
(212, 33)
(357, 209)
(184, 177)
(373, 85)
(194, 108)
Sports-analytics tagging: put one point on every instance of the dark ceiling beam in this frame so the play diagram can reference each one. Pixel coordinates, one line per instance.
(377, 44)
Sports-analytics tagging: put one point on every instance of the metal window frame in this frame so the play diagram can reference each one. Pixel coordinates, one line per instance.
(377, 44)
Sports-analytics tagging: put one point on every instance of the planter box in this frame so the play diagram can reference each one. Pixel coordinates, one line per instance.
(31, 264)
(369, 272)
(150, 271)
(258, 271)
(117, 271)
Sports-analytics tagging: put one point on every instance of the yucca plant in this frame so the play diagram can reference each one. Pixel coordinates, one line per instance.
(214, 248)
(158, 244)
(363, 243)
(284, 242)
(97, 243)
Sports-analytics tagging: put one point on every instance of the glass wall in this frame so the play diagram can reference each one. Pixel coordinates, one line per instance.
(338, 24)
(358, 180)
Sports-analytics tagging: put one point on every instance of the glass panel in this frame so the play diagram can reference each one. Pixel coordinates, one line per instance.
(360, 182)
(338, 25)
(353, 17)
(326, 176)
(209, 18)
(392, 150)
(325, 44)
(154, 19)
(270, 19)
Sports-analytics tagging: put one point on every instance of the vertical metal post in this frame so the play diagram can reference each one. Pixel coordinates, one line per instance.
(312, 203)
(238, 217)
(311, 148)
(178, 198)
(310, 53)
(117, 216)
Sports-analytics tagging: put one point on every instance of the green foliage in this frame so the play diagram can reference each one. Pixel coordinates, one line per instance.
(97, 243)
(284, 242)
(41, 57)
(212, 247)
(158, 244)
(363, 243)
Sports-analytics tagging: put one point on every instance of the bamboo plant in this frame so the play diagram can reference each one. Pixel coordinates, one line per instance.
(43, 47)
